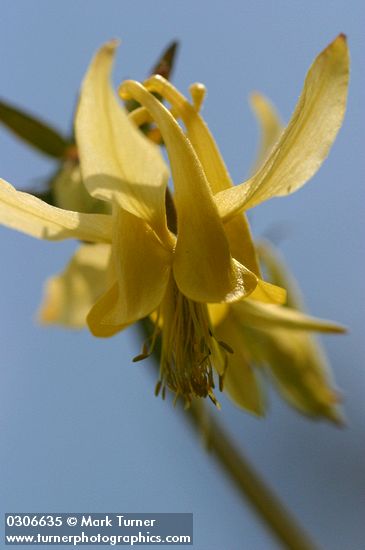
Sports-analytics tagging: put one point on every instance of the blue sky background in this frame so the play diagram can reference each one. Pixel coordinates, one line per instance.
(80, 427)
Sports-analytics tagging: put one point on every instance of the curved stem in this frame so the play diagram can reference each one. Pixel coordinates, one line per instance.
(234, 464)
(248, 482)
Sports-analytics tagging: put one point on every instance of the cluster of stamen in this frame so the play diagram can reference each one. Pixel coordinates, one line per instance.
(190, 353)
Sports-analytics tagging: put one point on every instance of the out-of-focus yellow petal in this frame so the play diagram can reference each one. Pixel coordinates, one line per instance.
(261, 316)
(201, 244)
(270, 126)
(70, 193)
(70, 296)
(278, 273)
(142, 268)
(300, 369)
(307, 139)
(295, 357)
(240, 381)
(117, 161)
(26, 213)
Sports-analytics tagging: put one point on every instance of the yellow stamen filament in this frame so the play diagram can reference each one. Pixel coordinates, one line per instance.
(140, 116)
(198, 92)
(180, 104)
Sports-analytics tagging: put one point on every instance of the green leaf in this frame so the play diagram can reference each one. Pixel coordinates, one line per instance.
(33, 131)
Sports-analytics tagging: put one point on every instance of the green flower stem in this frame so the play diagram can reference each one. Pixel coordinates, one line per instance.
(246, 480)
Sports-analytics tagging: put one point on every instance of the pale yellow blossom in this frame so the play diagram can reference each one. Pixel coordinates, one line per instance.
(147, 264)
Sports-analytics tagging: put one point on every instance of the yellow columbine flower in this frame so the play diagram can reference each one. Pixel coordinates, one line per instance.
(211, 258)
(155, 269)
(148, 267)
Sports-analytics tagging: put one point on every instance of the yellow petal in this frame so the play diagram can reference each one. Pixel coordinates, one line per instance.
(268, 293)
(70, 295)
(103, 318)
(203, 267)
(237, 230)
(261, 316)
(118, 162)
(239, 238)
(300, 370)
(70, 192)
(270, 126)
(26, 213)
(217, 312)
(197, 132)
(240, 381)
(142, 268)
(307, 139)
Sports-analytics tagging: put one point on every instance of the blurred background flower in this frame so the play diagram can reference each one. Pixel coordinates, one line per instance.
(75, 431)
